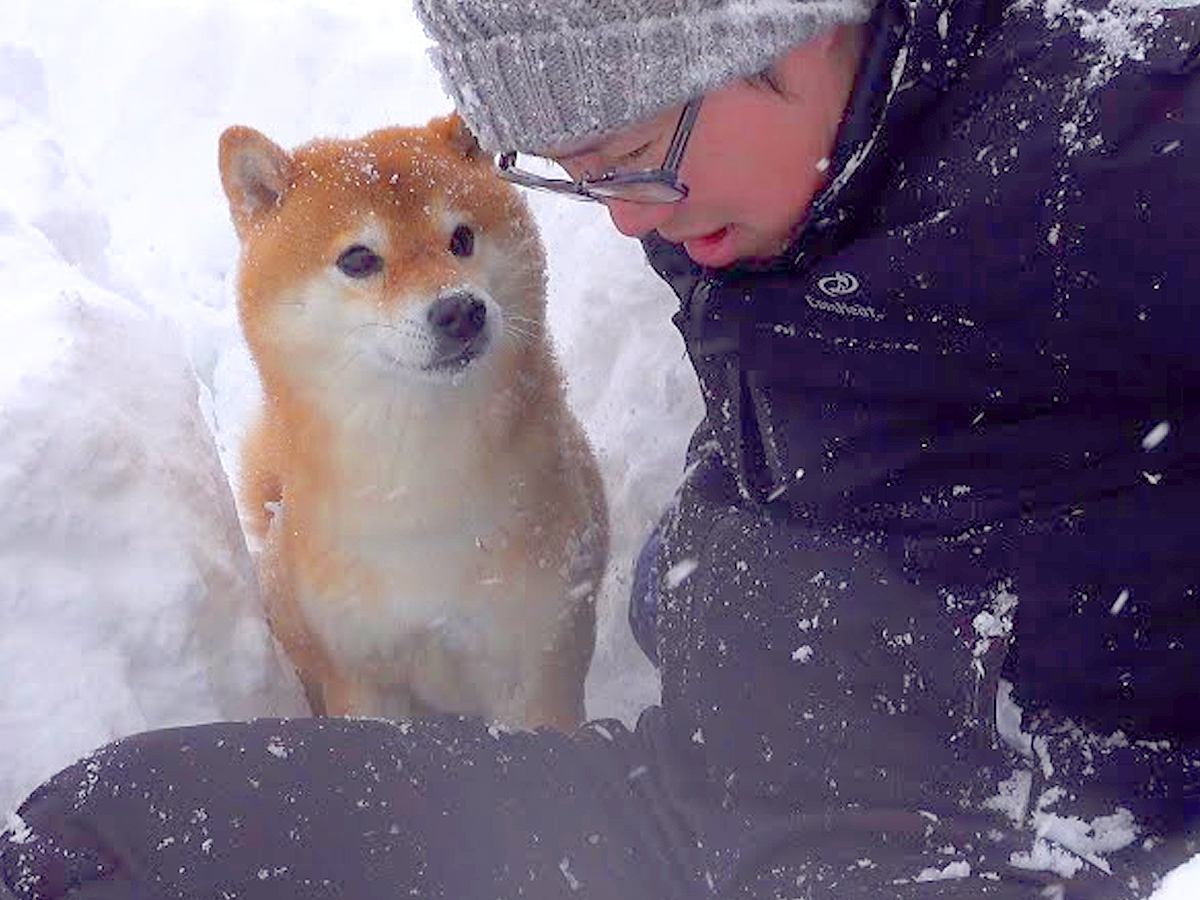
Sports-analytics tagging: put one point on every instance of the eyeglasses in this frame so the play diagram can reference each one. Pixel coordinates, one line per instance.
(660, 185)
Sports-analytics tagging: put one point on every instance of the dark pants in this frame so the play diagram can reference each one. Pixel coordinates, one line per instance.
(448, 808)
(349, 809)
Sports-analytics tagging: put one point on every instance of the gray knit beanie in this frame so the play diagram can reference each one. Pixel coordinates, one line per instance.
(537, 74)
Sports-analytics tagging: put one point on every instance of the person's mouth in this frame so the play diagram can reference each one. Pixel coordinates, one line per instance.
(711, 249)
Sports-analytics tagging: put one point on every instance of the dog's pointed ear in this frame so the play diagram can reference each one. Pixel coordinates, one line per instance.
(255, 173)
(454, 131)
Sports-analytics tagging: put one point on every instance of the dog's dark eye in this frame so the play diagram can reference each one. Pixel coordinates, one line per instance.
(360, 262)
(462, 242)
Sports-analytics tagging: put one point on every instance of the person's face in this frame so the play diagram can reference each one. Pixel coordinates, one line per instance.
(753, 163)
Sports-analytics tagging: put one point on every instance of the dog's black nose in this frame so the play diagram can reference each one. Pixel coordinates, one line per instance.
(458, 316)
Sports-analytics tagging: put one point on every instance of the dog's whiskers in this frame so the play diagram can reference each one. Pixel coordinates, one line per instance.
(530, 329)
(520, 335)
(388, 325)
(524, 320)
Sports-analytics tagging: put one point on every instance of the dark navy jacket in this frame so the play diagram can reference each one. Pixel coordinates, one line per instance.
(981, 355)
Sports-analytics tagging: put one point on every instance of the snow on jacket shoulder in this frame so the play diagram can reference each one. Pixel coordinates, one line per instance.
(981, 351)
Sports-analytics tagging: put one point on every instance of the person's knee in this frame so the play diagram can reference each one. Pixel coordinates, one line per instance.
(50, 850)
(81, 833)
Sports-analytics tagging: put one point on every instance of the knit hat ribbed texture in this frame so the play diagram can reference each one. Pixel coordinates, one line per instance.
(534, 75)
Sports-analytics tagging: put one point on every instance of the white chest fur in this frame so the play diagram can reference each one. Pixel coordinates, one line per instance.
(462, 564)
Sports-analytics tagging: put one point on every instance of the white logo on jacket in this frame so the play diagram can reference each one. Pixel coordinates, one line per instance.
(839, 284)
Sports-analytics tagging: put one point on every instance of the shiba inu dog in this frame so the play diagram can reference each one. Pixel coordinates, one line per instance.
(432, 521)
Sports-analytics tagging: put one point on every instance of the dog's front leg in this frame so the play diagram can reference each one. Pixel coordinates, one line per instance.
(555, 694)
(358, 698)
(347, 696)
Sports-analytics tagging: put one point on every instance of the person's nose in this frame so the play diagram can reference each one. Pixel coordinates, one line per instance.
(637, 219)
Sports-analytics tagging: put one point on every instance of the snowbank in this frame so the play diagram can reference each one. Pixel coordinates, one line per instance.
(1182, 884)
(127, 598)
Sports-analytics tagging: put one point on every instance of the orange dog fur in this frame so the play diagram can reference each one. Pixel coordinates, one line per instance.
(432, 523)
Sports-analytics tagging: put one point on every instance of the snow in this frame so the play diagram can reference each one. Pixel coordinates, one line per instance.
(127, 596)
(679, 573)
(802, 654)
(1065, 843)
(1156, 435)
(1119, 603)
(1182, 884)
(951, 871)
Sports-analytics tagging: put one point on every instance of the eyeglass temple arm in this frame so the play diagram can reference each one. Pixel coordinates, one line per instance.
(505, 160)
(682, 130)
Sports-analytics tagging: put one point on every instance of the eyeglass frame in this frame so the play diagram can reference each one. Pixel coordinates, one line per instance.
(666, 175)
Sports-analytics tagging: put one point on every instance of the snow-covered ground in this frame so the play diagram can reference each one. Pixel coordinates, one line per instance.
(127, 596)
